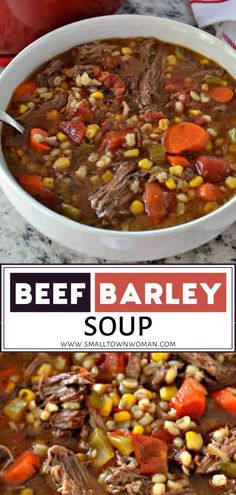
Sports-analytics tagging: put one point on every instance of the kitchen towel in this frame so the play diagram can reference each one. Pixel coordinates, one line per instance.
(221, 14)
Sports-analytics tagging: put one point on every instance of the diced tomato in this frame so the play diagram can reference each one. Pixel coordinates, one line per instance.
(190, 399)
(212, 168)
(151, 453)
(208, 192)
(163, 434)
(170, 87)
(74, 129)
(112, 62)
(152, 116)
(155, 202)
(225, 399)
(115, 362)
(113, 82)
(113, 140)
(84, 111)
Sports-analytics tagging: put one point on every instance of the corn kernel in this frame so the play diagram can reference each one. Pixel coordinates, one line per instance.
(23, 108)
(194, 441)
(132, 153)
(27, 491)
(232, 148)
(115, 398)
(127, 401)
(231, 182)
(62, 163)
(210, 206)
(98, 95)
(178, 119)
(164, 124)
(145, 163)
(171, 59)
(209, 146)
(194, 112)
(48, 182)
(166, 393)
(107, 405)
(45, 369)
(176, 170)
(52, 114)
(126, 50)
(91, 131)
(159, 356)
(170, 183)
(138, 430)
(136, 207)
(197, 181)
(26, 394)
(122, 416)
(61, 137)
(107, 176)
(204, 61)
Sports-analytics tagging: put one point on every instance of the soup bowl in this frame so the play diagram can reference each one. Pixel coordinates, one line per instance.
(104, 243)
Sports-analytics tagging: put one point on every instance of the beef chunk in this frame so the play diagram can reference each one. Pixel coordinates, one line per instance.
(150, 81)
(131, 72)
(133, 368)
(36, 117)
(69, 419)
(125, 478)
(68, 474)
(45, 78)
(218, 374)
(112, 199)
(69, 386)
(212, 463)
(92, 52)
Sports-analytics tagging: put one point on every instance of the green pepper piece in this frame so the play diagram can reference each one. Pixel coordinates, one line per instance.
(15, 409)
(70, 211)
(214, 80)
(232, 135)
(157, 153)
(104, 451)
(123, 444)
(181, 53)
(95, 400)
(229, 469)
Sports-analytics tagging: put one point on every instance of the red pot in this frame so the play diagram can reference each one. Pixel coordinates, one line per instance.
(22, 21)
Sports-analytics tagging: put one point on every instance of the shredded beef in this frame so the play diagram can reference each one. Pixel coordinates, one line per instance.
(96, 421)
(36, 117)
(149, 83)
(112, 198)
(210, 463)
(126, 478)
(33, 366)
(219, 374)
(53, 69)
(68, 474)
(133, 368)
(69, 386)
(92, 52)
(69, 419)
(131, 72)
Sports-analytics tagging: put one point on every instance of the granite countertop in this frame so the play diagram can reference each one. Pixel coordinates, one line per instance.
(20, 243)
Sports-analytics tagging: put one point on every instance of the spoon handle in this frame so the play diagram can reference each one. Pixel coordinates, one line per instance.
(4, 117)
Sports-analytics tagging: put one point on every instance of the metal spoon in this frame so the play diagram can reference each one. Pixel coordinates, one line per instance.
(4, 117)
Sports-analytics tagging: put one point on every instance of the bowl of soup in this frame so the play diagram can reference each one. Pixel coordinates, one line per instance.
(130, 136)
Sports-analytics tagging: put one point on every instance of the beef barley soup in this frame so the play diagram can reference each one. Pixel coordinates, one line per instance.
(118, 423)
(126, 134)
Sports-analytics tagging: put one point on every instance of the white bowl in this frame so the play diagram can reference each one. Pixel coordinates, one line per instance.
(114, 245)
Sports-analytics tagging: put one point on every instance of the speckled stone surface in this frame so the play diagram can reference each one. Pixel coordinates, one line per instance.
(20, 243)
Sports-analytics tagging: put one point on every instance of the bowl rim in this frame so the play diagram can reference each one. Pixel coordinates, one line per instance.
(65, 221)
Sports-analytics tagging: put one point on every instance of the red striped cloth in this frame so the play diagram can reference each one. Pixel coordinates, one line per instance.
(221, 13)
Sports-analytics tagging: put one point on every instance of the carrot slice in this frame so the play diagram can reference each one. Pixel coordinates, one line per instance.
(225, 399)
(221, 94)
(36, 135)
(24, 88)
(31, 183)
(178, 160)
(155, 202)
(186, 137)
(25, 466)
(208, 192)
